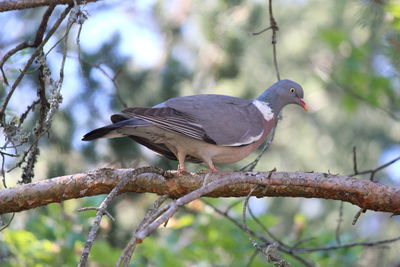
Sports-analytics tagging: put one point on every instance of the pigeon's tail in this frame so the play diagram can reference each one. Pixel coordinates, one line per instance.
(110, 131)
(103, 132)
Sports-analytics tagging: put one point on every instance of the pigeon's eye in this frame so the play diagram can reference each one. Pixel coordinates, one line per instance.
(292, 90)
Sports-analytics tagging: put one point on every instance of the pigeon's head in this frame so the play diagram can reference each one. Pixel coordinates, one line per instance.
(283, 93)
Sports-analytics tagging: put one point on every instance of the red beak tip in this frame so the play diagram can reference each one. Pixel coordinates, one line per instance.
(303, 104)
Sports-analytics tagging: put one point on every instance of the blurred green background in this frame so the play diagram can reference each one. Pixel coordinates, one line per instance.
(346, 55)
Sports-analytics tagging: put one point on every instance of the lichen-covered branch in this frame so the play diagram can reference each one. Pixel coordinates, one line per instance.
(8, 5)
(37, 51)
(363, 193)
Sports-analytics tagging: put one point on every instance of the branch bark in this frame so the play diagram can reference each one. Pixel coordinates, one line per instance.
(363, 193)
(9, 5)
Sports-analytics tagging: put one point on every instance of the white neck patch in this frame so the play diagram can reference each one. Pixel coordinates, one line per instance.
(264, 108)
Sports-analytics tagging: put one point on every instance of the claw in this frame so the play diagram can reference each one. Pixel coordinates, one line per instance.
(182, 170)
(211, 169)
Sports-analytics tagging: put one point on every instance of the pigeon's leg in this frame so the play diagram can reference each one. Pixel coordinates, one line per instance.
(181, 169)
(181, 162)
(211, 166)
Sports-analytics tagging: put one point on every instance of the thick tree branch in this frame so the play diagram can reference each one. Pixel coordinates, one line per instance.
(8, 5)
(362, 193)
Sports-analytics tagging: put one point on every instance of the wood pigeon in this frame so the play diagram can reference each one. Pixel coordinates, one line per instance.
(205, 128)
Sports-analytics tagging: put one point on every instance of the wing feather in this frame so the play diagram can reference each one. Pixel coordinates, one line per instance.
(172, 120)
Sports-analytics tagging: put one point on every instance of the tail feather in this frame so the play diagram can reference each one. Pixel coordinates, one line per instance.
(103, 132)
(109, 131)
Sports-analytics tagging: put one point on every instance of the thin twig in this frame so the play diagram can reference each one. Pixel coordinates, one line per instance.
(2, 172)
(262, 31)
(9, 154)
(95, 227)
(358, 214)
(270, 253)
(302, 241)
(8, 223)
(347, 90)
(40, 128)
(233, 205)
(38, 39)
(204, 190)
(274, 27)
(43, 25)
(258, 235)
(9, 54)
(252, 257)
(374, 171)
(245, 205)
(111, 78)
(355, 160)
(236, 222)
(295, 249)
(30, 61)
(71, 20)
(150, 216)
(267, 144)
(265, 229)
(26, 112)
(244, 219)
(348, 245)
(340, 220)
(97, 209)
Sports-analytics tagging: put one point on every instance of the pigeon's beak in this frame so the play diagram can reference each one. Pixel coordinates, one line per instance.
(302, 103)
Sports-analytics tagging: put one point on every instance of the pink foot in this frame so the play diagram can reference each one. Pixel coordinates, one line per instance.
(211, 170)
(182, 170)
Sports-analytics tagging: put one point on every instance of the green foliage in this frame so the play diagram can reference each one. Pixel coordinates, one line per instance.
(46, 241)
(333, 37)
(209, 240)
(393, 8)
(28, 249)
(103, 254)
